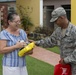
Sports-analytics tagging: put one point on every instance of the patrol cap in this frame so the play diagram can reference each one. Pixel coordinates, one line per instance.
(60, 11)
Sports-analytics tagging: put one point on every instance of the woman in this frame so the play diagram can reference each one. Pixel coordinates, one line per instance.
(10, 45)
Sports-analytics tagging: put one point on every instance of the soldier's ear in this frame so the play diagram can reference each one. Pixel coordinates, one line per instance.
(62, 17)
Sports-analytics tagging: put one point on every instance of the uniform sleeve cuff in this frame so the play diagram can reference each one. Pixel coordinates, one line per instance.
(37, 42)
(66, 60)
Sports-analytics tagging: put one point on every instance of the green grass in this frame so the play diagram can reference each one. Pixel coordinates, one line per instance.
(0, 64)
(35, 67)
(54, 49)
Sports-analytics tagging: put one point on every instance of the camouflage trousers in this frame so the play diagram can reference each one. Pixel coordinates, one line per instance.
(73, 66)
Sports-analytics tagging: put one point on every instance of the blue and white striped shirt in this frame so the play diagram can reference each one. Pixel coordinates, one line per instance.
(12, 59)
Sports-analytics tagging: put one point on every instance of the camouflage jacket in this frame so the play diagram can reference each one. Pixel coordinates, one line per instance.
(66, 43)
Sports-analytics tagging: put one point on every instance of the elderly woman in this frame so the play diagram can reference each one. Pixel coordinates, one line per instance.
(10, 45)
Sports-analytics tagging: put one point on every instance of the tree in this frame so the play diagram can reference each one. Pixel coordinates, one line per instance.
(25, 19)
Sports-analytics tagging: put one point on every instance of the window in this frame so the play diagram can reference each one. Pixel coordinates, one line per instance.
(68, 11)
(11, 9)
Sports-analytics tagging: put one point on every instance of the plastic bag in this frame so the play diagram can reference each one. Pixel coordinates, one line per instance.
(61, 69)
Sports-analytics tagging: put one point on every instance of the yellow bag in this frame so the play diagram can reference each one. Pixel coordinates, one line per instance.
(27, 48)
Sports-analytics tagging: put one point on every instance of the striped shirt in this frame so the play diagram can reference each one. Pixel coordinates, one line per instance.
(12, 59)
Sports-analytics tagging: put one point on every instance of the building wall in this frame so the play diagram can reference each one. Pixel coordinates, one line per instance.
(56, 3)
(73, 13)
(50, 5)
(4, 8)
(33, 6)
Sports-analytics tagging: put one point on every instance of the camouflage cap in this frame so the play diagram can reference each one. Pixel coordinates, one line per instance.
(57, 13)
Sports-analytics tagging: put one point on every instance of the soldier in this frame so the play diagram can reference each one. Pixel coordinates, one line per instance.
(64, 37)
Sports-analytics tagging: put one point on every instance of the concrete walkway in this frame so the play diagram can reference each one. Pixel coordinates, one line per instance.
(45, 55)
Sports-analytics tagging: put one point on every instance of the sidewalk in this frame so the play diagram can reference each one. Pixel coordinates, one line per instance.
(45, 55)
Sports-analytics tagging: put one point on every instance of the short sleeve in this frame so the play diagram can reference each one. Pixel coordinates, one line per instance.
(4, 35)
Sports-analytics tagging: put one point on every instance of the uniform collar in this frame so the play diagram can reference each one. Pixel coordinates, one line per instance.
(68, 29)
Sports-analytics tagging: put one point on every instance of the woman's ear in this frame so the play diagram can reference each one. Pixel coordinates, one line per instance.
(9, 22)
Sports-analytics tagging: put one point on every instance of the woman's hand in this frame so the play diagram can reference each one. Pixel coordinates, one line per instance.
(29, 52)
(20, 44)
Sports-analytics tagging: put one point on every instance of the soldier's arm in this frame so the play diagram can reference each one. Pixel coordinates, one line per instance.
(48, 41)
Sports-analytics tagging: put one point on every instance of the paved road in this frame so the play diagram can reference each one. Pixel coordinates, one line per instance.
(45, 55)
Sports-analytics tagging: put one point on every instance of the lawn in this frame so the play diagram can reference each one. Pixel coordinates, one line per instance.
(0, 64)
(35, 67)
(54, 49)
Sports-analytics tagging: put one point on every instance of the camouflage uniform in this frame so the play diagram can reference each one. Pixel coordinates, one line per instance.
(66, 40)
